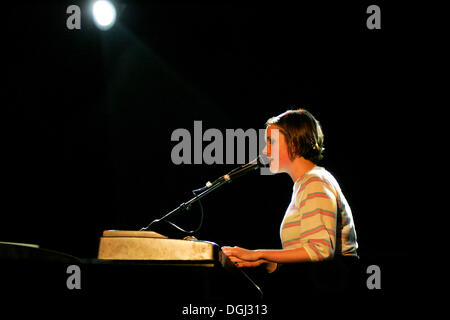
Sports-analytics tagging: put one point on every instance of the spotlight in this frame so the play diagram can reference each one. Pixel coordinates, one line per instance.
(104, 13)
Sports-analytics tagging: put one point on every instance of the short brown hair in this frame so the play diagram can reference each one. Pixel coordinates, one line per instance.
(302, 132)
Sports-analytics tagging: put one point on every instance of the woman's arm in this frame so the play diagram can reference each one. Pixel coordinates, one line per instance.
(252, 258)
(285, 255)
(268, 265)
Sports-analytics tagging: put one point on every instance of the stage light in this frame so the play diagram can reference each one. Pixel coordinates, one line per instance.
(104, 13)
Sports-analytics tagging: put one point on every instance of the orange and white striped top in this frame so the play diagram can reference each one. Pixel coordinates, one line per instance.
(319, 218)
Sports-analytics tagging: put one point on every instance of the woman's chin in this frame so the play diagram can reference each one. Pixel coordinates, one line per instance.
(274, 168)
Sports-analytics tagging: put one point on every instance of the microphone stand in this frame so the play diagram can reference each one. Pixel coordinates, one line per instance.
(206, 190)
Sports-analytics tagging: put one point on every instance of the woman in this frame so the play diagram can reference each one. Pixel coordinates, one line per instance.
(318, 223)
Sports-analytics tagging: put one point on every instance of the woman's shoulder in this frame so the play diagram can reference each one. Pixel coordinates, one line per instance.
(318, 177)
(317, 174)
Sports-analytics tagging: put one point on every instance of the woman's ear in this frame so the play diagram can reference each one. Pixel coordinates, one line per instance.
(292, 151)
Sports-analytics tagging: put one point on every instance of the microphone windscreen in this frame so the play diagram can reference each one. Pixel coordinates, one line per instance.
(263, 161)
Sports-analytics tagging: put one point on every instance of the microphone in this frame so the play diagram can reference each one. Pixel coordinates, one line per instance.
(261, 161)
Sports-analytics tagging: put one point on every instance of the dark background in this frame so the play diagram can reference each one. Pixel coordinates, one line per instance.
(88, 117)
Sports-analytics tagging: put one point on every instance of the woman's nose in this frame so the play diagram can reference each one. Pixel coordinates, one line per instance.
(266, 151)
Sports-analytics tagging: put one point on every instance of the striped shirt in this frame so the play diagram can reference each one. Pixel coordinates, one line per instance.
(319, 218)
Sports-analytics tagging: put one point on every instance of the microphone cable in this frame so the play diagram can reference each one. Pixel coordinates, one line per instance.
(202, 215)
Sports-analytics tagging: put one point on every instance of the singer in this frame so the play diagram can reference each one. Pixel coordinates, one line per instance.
(318, 223)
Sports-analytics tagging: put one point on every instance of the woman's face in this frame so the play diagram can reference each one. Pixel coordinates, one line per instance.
(277, 150)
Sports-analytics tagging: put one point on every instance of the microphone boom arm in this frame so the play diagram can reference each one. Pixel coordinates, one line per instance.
(209, 188)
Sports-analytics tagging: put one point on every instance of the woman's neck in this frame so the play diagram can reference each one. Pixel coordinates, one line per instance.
(299, 167)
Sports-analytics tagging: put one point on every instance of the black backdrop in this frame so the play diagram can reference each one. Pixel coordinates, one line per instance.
(88, 117)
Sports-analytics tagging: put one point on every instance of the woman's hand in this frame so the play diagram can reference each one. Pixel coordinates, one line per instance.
(244, 264)
(248, 258)
(241, 254)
